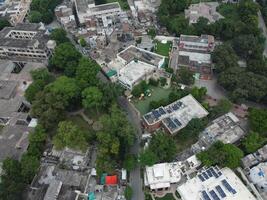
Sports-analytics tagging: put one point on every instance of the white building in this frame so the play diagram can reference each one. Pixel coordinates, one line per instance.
(136, 65)
(86, 9)
(258, 176)
(215, 184)
(161, 176)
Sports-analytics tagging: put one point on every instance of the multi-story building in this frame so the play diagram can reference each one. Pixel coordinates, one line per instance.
(174, 116)
(86, 9)
(65, 16)
(26, 43)
(214, 183)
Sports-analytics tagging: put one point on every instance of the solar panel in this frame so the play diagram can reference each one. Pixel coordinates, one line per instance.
(214, 195)
(205, 175)
(175, 107)
(220, 191)
(177, 122)
(172, 125)
(219, 173)
(209, 173)
(201, 178)
(228, 186)
(161, 111)
(205, 195)
(156, 113)
(214, 173)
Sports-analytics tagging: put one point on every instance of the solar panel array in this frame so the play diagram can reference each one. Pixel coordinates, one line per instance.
(228, 186)
(205, 195)
(214, 195)
(220, 191)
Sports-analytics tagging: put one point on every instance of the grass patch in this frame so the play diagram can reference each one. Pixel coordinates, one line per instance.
(79, 121)
(157, 93)
(123, 3)
(182, 144)
(166, 197)
(163, 49)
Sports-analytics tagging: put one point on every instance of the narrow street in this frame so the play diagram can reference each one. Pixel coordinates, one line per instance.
(136, 181)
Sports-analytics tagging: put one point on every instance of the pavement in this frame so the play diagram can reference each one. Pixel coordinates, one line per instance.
(136, 181)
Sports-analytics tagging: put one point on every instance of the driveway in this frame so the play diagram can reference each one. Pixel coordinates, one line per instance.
(136, 181)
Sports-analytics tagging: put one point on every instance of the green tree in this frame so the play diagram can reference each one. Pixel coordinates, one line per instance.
(35, 17)
(258, 120)
(199, 93)
(83, 42)
(66, 58)
(224, 155)
(147, 158)
(86, 73)
(252, 142)
(139, 89)
(29, 167)
(70, 135)
(130, 162)
(4, 23)
(223, 107)
(152, 32)
(59, 35)
(92, 98)
(185, 76)
(128, 193)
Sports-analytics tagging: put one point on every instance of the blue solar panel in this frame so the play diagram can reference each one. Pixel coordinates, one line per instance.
(209, 173)
(177, 122)
(214, 195)
(156, 113)
(175, 107)
(201, 178)
(205, 195)
(161, 111)
(219, 173)
(220, 191)
(172, 125)
(214, 173)
(205, 175)
(228, 186)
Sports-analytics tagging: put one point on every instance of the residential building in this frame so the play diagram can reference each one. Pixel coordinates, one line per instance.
(194, 54)
(163, 175)
(255, 158)
(174, 116)
(65, 16)
(203, 43)
(15, 11)
(214, 183)
(86, 9)
(258, 176)
(137, 65)
(225, 128)
(203, 9)
(26, 43)
(146, 5)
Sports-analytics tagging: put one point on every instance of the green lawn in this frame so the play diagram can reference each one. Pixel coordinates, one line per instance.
(157, 94)
(166, 197)
(163, 49)
(78, 120)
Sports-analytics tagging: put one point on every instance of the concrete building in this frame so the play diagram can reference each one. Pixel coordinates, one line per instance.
(203, 9)
(161, 176)
(193, 53)
(203, 43)
(65, 16)
(15, 11)
(86, 9)
(255, 158)
(174, 116)
(258, 176)
(137, 65)
(26, 43)
(214, 183)
(225, 128)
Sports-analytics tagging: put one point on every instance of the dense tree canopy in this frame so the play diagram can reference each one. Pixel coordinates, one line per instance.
(92, 98)
(70, 135)
(253, 142)
(59, 35)
(258, 120)
(224, 155)
(185, 76)
(4, 23)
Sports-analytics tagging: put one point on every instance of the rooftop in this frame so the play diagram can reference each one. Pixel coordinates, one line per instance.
(258, 176)
(7, 89)
(203, 39)
(177, 115)
(186, 57)
(214, 184)
(133, 53)
(103, 7)
(8, 107)
(255, 158)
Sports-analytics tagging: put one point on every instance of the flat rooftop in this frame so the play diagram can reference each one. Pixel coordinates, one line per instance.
(195, 57)
(134, 71)
(8, 107)
(178, 114)
(134, 53)
(205, 39)
(104, 7)
(14, 141)
(7, 89)
(214, 184)
(82, 5)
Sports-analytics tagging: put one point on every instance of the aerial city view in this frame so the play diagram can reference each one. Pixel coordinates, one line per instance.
(133, 100)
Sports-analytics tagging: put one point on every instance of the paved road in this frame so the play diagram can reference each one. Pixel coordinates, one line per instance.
(264, 31)
(136, 181)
